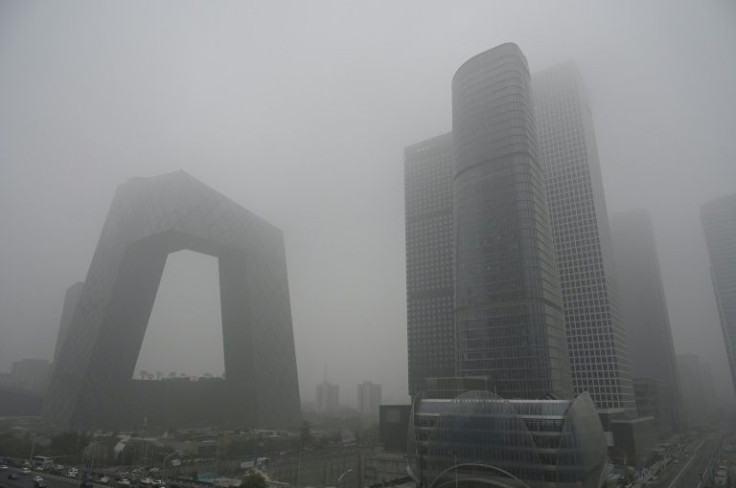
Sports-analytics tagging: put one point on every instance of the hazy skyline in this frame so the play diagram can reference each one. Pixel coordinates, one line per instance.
(300, 112)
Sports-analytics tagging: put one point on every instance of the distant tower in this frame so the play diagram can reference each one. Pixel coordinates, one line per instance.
(328, 397)
(369, 398)
(698, 391)
(719, 223)
(577, 209)
(508, 309)
(428, 171)
(644, 311)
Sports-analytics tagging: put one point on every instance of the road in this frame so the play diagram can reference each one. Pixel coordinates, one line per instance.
(26, 480)
(687, 473)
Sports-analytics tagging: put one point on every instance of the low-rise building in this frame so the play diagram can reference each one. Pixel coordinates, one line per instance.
(519, 442)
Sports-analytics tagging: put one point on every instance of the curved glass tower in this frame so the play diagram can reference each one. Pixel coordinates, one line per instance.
(508, 314)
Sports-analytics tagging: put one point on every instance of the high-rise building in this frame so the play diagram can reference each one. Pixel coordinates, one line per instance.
(698, 391)
(644, 313)
(428, 170)
(150, 218)
(481, 439)
(577, 209)
(328, 397)
(369, 398)
(719, 223)
(508, 309)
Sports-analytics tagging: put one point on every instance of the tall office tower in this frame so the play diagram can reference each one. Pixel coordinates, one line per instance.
(577, 209)
(369, 398)
(644, 310)
(698, 391)
(328, 397)
(428, 170)
(508, 312)
(719, 223)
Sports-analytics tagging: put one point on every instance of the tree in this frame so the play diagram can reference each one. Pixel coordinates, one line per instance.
(254, 480)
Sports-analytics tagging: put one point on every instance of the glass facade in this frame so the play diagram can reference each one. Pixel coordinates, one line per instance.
(577, 208)
(508, 312)
(428, 170)
(91, 384)
(719, 223)
(479, 435)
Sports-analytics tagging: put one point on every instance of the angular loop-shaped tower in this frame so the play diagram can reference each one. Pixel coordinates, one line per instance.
(92, 384)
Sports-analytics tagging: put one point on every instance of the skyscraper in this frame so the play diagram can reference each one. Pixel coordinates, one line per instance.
(577, 210)
(328, 397)
(369, 398)
(428, 170)
(508, 313)
(698, 391)
(719, 223)
(150, 218)
(644, 310)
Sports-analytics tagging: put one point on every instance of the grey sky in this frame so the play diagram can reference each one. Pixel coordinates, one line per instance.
(300, 111)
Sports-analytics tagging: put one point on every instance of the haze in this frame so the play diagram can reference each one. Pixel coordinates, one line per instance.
(300, 111)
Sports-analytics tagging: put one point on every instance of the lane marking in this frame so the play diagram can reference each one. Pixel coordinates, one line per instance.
(687, 465)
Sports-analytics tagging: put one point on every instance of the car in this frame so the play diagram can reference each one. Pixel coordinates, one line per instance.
(154, 470)
(103, 479)
(146, 481)
(25, 471)
(3, 467)
(124, 482)
(39, 482)
(72, 473)
(13, 476)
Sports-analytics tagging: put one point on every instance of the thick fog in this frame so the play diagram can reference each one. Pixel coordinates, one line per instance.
(300, 111)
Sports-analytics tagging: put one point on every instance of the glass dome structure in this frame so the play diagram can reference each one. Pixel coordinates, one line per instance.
(480, 438)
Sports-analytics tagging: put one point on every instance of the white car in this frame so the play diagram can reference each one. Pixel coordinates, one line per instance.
(124, 482)
(103, 479)
(26, 471)
(3, 467)
(146, 481)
